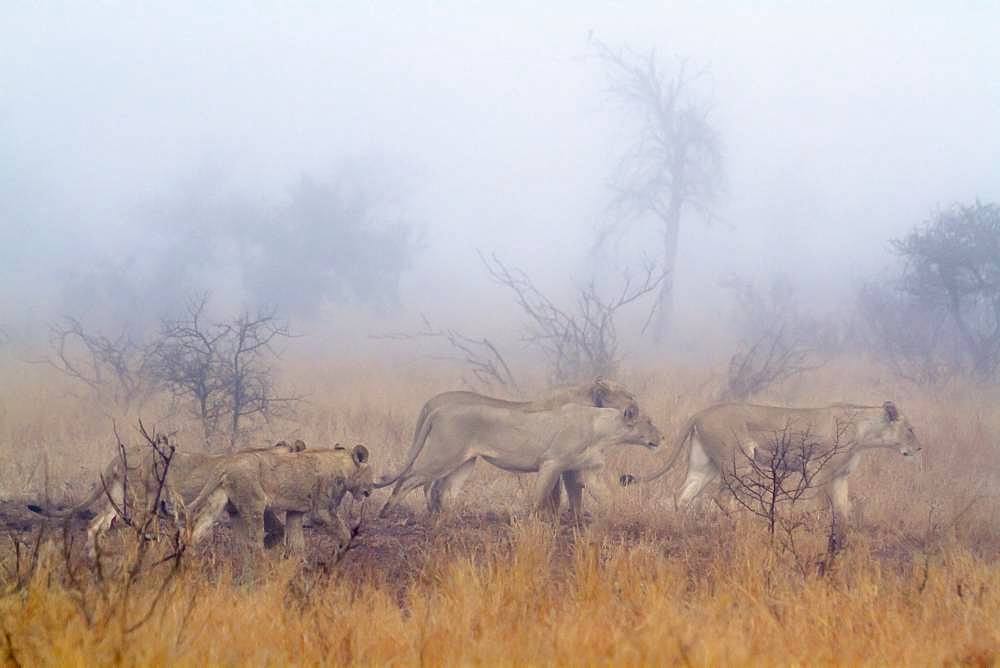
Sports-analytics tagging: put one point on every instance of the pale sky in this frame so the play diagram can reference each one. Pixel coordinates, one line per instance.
(843, 124)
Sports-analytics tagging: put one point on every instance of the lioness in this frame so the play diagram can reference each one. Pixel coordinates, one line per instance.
(312, 482)
(717, 435)
(601, 393)
(564, 441)
(186, 477)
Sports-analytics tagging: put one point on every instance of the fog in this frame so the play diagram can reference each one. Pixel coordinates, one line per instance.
(476, 126)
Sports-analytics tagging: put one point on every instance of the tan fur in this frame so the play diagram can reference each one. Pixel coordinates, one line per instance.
(568, 440)
(601, 393)
(311, 483)
(186, 477)
(716, 437)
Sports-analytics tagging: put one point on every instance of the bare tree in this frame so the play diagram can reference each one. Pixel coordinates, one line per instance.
(105, 589)
(774, 357)
(674, 163)
(769, 481)
(781, 472)
(778, 341)
(479, 355)
(224, 369)
(118, 367)
(581, 342)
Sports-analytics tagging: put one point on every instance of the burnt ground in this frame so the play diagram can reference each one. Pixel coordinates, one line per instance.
(394, 552)
(405, 547)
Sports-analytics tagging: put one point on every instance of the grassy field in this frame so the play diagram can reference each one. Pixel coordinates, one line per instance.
(917, 583)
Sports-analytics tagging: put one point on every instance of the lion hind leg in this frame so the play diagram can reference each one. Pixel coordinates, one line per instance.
(274, 528)
(105, 517)
(101, 523)
(449, 486)
(209, 514)
(701, 471)
(403, 487)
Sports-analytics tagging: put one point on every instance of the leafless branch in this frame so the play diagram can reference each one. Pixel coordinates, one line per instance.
(769, 480)
(120, 366)
(773, 358)
(480, 355)
(779, 342)
(581, 342)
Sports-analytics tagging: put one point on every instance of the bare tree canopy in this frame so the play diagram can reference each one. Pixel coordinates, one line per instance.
(223, 369)
(674, 162)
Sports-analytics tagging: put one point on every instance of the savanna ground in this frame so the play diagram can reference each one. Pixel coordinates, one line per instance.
(918, 581)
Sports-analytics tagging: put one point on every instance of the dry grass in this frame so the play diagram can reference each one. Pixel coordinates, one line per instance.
(919, 581)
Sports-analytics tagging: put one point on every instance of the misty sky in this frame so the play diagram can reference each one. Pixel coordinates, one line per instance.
(843, 124)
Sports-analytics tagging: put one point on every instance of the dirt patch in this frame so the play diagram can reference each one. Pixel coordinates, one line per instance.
(16, 514)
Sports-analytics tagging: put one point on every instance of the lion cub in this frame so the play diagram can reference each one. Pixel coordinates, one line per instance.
(311, 482)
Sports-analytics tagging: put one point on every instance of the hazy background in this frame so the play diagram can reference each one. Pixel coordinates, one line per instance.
(128, 133)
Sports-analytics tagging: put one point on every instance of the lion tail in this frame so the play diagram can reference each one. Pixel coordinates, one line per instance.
(627, 479)
(213, 484)
(420, 434)
(86, 504)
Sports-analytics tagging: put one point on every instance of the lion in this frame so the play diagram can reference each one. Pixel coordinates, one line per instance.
(841, 431)
(186, 477)
(310, 483)
(567, 441)
(601, 393)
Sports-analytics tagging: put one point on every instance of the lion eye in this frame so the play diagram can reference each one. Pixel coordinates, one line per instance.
(631, 412)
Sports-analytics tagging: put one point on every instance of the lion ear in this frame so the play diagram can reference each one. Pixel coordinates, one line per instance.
(280, 444)
(359, 454)
(599, 392)
(891, 412)
(299, 446)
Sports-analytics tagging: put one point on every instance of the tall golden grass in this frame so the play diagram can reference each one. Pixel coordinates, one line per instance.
(918, 582)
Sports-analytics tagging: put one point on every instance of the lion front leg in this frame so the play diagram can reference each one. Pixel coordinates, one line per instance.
(573, 482)
(294, 538)
(344, 536)
(336, 527)
(837, 494)
(546, 487)
(840, 504)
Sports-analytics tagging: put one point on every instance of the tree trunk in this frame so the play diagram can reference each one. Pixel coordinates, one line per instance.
(665, 299)
(978, 354)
